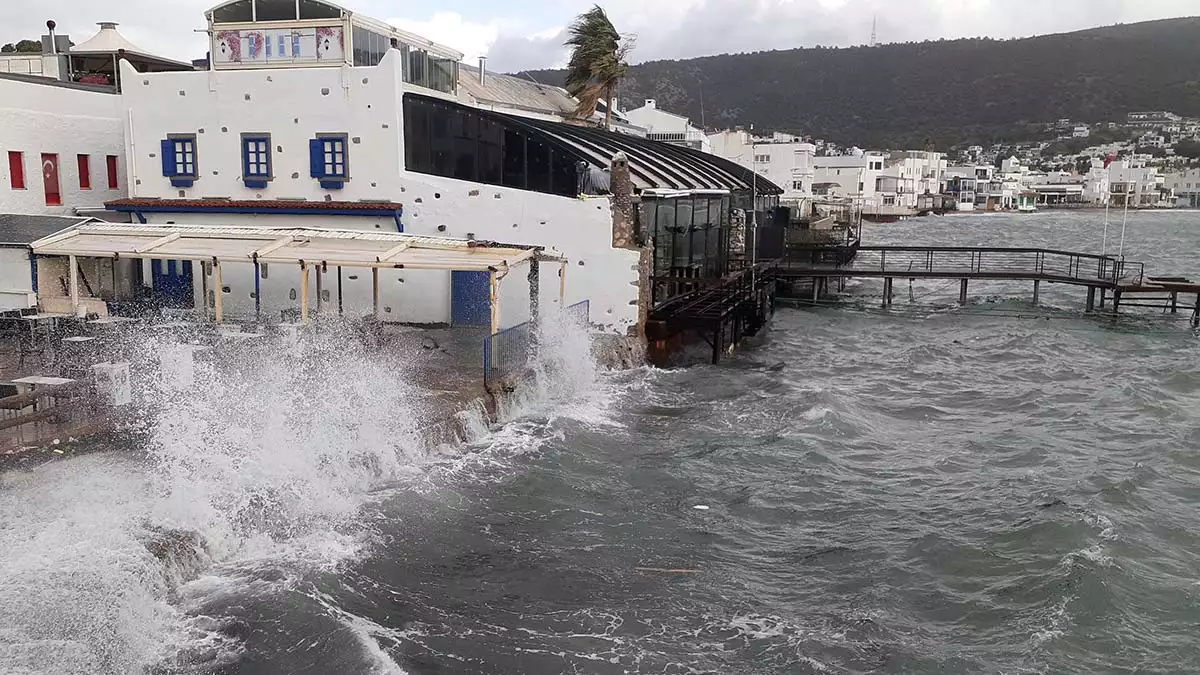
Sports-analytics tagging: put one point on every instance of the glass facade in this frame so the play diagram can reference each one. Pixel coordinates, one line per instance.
(446, 139)
(690, 236)
(420, 67)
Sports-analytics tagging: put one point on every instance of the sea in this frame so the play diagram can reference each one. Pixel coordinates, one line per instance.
(1000, 487)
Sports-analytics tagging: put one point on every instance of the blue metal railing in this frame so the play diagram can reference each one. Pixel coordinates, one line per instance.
(506, 353)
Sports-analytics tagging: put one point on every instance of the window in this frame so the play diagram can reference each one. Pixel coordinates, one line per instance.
(111, 162)
(85, 172)
(275, 10)
(50, 179)
(179, 159)
(328, 160)
(762, 159)
(256, 160)
(16, 170)
(234, 12)
(798, 185)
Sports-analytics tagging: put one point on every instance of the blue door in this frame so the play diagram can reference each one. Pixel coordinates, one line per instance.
(172, 280)
(469, 304)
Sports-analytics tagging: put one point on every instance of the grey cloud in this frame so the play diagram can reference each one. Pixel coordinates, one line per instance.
(723, 26)
(163, 27)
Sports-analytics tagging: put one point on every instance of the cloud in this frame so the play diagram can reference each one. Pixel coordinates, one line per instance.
(163, 27)
(450, 28)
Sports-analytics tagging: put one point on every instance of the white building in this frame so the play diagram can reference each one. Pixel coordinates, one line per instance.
(322, 129)
(668, 127)
(1130, 179)
(1186, 187)
(63, 146)
(92, 62)
(1081, 131)
(784, 160)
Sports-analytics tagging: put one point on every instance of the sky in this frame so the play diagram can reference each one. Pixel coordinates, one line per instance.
(528, 34)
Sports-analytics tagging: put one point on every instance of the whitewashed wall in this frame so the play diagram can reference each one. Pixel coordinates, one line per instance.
(295, 104)
(38, 118)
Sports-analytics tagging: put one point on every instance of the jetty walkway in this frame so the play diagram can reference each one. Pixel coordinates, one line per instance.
(1125, 282)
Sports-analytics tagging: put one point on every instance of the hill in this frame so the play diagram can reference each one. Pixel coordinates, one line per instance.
(937, 94)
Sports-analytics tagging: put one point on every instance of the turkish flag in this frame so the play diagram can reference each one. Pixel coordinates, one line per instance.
(50, 179)
(1109, 160)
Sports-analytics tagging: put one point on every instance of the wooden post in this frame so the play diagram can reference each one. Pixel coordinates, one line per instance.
(962, 291)
(73, 282)
(303, 292)
(1116, 300)
(816, 283)
(217, 292)
(339, 290)
(1091, 298)
(204, 288)
(1101, 303)
(375, 291)
(562, 285)
(1175, 301)
(320, 287)
(1036, 284)
(494, 301)
(257, 289)
(887, 291)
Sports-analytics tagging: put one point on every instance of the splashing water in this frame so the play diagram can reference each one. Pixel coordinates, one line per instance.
(256, 455)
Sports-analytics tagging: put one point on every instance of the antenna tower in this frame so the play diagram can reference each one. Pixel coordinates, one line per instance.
(874, 25)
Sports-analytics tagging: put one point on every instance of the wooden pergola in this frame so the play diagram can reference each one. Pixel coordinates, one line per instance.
(305, 247)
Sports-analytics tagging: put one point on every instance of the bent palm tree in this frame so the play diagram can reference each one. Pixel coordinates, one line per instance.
(597, 62)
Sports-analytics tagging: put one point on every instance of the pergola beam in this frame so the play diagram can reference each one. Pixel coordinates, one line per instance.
(161, 241)
(273, 246)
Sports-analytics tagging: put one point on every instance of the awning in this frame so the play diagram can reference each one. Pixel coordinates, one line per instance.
(308, 246)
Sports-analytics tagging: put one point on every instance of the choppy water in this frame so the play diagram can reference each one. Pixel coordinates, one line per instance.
(996, 489)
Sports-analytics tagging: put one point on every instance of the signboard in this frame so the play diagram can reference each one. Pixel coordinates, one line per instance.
(323, 45)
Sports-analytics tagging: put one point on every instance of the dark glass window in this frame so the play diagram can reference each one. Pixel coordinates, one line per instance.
(360, 39)
(417, 70)
(312, 9)
(564, 176)
(441, 141)
(417, 137)
(491, 152)
(276, 10)
(537, 158)
(466, 144)
(233, 13)
(514, 160)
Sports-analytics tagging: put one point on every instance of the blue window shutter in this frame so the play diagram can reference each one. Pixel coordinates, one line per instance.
(168, 157)
(316, 158)
(245, 157)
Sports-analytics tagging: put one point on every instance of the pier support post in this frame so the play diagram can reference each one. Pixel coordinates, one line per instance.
(257, 288)
(1196, 313)
(962, 291)
(340, 308)
(562, 285)
(218, 291)
(716, 345)
(887, 291)
(1116, 300)
(816, 288)
(375, 291)
(1101, 303)
(303, 292)
(1091, 298)
(1175, 301)
(1036, 287)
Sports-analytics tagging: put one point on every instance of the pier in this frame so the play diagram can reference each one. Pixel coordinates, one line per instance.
(1108, 279)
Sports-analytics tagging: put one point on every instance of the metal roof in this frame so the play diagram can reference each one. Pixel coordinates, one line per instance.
(652, 164)
(18, 229)
(515, 92)
(345, 248)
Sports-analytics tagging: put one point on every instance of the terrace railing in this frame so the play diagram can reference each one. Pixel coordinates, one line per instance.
(977, 263)
(506, 353)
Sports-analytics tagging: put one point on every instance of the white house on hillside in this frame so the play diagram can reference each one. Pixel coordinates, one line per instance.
(784, 160)
(668, 127)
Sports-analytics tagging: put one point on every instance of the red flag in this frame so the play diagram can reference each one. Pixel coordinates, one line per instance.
(1110, 159)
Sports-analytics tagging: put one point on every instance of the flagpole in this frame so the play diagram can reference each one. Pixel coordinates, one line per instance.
(1107, 203)
(1124, 220)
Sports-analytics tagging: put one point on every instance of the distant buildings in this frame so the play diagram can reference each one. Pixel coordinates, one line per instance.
(668, 127)
(785, 160)
(1185, 185)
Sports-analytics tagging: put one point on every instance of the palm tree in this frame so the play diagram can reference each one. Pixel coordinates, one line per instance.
(597, 62)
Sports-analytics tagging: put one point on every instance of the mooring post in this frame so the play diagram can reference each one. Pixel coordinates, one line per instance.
(1091, 298)
(1036, 285)
(962, 291)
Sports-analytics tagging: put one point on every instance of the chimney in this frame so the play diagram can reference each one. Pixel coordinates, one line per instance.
(651, 103)
(482, 71)
(50, 25)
